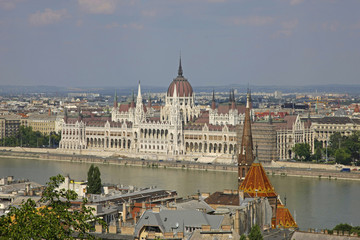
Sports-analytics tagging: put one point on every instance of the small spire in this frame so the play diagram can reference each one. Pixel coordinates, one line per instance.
(175, 92)
(132, 104)
(270, 118)
(180, 71)
(115, 100)
(149, 101)
(248, 99)
(66, 115)
(213, 104)
(139, 90)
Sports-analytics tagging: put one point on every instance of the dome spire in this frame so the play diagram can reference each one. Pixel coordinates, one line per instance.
(180, 71)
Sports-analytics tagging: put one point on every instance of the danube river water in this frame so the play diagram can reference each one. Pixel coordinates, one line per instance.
(315, 203)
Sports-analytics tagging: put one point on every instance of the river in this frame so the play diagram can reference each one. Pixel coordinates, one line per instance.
(315, 203)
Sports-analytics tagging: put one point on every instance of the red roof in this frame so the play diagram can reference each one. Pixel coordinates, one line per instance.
(224, 109)
(257, 183)
(183, 87)
(284, 218)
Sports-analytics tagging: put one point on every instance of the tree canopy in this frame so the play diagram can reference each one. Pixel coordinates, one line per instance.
(53, 220)
(255, 233)
(345, 149)
(302, 151)
(26, 137)
(94, 180)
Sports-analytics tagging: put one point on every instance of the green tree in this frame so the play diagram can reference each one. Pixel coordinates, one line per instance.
(343, 156)
(243, 237)
(51, 221)
(317, 155)
(302, 151)
(255, 233)
(94, 180)
(343, 227)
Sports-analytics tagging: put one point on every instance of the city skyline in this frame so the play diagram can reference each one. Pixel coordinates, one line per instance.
(222, 42)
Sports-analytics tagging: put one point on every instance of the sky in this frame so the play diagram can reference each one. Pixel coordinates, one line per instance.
(116, 43)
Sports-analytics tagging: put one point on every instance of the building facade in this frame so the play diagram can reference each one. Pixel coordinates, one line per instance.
(178, 130)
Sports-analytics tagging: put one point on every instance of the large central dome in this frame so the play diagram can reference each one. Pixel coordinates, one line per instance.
(183, 87)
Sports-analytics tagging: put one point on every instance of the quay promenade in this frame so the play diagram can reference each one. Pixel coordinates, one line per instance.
(279, 168)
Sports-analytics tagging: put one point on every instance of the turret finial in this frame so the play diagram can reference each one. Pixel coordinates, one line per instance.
(180, 71)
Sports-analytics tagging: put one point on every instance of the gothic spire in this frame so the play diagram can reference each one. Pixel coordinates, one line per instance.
(180, 71)
(246, 156)
(115, 100)
(149, 101)
(213, 104)
(139, 92)
(132, 104)
(233, 100)
(230, 97)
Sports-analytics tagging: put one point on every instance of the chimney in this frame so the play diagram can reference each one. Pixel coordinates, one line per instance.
(124, 212)
(156, 209)
(27, 189)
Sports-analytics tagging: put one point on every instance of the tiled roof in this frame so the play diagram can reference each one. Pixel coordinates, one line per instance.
(333, 120)
(170, 220)
(288, 122)
(224, 109)
(221, 198)
(257, 183)
(183, 87)
(284, 218)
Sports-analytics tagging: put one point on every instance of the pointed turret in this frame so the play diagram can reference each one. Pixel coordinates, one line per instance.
(233, 103)
(230, 97)
(149, 102)
(246, 156)
(180, 71)
(213, 104)
(66, 115)
(79, 115)
(139, 91)
(115, 100)
(270, 118)
(132, 104)
(175, 93)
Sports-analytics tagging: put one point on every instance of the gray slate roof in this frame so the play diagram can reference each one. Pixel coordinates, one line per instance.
(177, 220)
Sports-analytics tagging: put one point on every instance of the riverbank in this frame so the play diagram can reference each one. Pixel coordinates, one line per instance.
(279, 168)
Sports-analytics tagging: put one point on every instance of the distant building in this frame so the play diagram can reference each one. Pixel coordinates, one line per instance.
(9, 125)
(175, 224)
(43, 123)
(293, 130)
(179, 129)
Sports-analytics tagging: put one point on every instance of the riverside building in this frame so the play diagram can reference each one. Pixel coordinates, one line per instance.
(179, 130)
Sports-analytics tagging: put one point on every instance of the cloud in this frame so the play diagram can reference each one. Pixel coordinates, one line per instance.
(136, 26)
(287, 28)
(48, 16)
(333, 26)
(252, 20)
(355, 26)
(296, 2)
(9, 4)
(112, 25)
(216, 1)
(149, 13)
(97, 6)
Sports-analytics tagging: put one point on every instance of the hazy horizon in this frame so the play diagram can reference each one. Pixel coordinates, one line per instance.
(105, 43)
